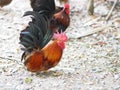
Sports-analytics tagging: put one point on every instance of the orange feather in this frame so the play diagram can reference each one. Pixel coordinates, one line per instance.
(42, 60)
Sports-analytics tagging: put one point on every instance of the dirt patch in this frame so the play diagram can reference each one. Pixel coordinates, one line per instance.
(88, 63)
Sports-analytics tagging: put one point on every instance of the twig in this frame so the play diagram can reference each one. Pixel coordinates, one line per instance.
(94, 31)
(110, 12)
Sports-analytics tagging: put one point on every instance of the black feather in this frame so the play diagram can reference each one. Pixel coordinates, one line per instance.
(41, 22)
(31, 36)
(46, 6)
(22, 57)
(38, 33)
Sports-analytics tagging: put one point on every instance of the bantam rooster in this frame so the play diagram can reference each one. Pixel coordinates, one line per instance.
(4, 2)
(40, 54)
(61, 20)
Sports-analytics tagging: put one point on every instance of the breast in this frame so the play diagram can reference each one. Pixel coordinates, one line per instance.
(62, 18)
(52, 54)
(44, 59)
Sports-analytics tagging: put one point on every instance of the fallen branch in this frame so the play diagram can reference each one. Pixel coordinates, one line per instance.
(110, 12)
(92, 21)
(93, 31)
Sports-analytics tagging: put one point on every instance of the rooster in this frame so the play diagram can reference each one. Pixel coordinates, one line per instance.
(4, 2)
(61, 19)
(40, 54)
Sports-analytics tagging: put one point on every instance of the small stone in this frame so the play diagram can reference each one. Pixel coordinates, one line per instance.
(28, 80)
(116, 76)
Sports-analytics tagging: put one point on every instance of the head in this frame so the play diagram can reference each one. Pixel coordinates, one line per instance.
(61, 38)
(67, 8)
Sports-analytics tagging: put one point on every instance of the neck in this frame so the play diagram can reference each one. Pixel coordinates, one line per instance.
(67, 11)
(61, 44)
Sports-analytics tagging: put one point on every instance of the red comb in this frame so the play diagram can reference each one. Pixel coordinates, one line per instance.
(67, 8)
(67, 5)
(61, 36)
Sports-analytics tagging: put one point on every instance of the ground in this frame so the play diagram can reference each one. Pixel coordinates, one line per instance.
(88, 63)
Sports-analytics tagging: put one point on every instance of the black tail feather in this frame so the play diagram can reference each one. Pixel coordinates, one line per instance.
(38, 33)
(41, 22)
(46, 6)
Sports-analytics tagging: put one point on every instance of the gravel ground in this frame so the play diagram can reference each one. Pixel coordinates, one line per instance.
(88, 63)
